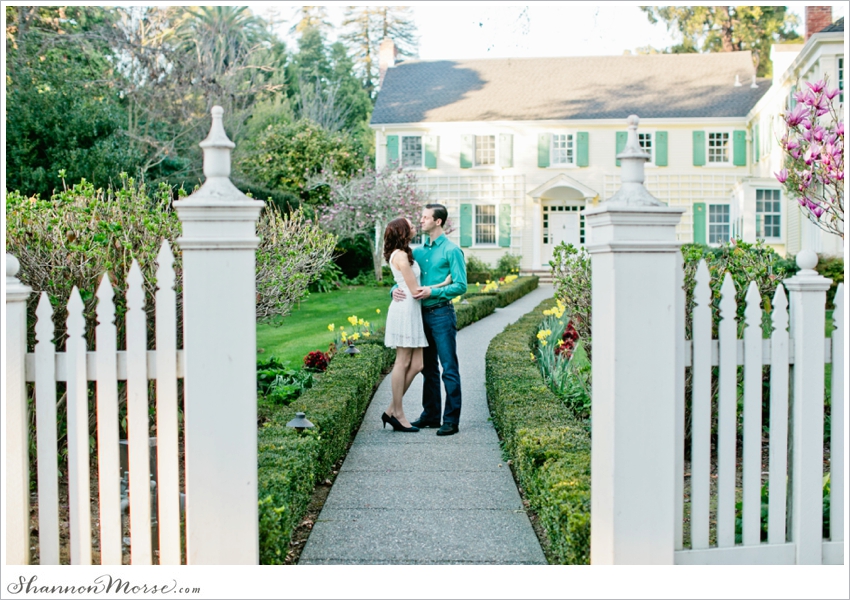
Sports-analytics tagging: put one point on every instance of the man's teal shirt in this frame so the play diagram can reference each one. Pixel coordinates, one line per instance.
(438, 260)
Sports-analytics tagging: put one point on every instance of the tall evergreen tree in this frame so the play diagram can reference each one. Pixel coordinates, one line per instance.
(366, 27)
(728, 29)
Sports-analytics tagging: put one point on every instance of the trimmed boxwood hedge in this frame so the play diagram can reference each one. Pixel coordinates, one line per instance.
(291, 464)
(550, 447)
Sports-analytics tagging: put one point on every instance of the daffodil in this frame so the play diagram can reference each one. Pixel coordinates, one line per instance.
(355, 336)
(543, 342)
(353, 320)
(360, 321)
(378, 311)
(532, 355)
(331, 327)
(366, 334)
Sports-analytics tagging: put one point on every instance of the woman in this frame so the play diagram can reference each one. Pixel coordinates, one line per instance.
(404, 330)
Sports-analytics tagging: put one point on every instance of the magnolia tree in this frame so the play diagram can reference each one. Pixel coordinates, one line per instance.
(365, 203)
(814, 157)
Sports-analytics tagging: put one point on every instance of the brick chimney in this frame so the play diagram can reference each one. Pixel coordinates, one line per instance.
(817, 17)
(386, 57)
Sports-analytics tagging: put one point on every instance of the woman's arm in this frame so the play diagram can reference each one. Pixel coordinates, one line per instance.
(400, 262)
(444, 283)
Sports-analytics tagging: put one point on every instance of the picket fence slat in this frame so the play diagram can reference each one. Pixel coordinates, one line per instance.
(701, 410)
(168, 371)
(138, 452)
(109, 475)
(79, 498)
(836, 434)
(726, 419)
(90, 372)
(46, 441)
(739, 353)
(778, 453)
(751, 467)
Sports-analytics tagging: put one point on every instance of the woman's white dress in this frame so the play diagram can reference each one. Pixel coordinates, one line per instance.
(404, 319)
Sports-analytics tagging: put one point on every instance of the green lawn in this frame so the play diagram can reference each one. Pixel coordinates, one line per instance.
(306, 328)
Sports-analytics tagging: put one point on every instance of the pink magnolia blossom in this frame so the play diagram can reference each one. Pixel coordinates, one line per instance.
(782, 176)
(816, 87)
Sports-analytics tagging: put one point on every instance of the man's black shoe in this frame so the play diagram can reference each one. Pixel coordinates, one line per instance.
(447, 429)
(423, 424)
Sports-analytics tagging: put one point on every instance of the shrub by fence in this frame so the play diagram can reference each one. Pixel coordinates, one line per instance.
(549, 447)
(290, 464)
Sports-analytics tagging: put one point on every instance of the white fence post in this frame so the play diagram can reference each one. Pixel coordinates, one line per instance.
(219, 324)
(17, 526)
(808, 299)
(635, 259)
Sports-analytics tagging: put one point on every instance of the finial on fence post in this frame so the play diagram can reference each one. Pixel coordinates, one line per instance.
(217, 147)
(632, 158)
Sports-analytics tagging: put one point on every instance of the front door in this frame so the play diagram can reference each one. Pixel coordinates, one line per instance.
(561, 225)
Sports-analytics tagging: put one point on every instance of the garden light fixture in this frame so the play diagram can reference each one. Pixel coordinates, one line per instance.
(300, 422)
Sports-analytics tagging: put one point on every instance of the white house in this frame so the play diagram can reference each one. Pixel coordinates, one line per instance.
(518, 148)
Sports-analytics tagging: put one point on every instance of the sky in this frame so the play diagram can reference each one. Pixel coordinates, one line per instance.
(456, 30)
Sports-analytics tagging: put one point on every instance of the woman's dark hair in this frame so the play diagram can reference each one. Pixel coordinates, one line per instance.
(397, 237)
(440, 212)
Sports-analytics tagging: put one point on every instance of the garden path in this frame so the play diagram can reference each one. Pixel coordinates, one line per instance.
(415, 498)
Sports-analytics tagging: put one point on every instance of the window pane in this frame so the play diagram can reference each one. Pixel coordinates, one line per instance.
(485, 224)
(718, 147)
(768, 215)
(645, 140)
(411, 151)
(718, 223)
(562, 149)
(485, 150)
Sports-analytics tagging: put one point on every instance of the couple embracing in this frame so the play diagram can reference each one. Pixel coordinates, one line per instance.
(421, 321)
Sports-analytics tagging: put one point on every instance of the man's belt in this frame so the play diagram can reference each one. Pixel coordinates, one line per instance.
(436, 306)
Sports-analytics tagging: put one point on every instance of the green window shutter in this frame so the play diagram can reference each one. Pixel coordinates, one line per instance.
(505, 226)
(544, 142)
(582, 152)
(699, 222)
(622, 136)
(392, 149)
(739, 148)
(432, 147)
(467, 149)
(465, 225)
(699, 148)
(660, 148)
(506, 150)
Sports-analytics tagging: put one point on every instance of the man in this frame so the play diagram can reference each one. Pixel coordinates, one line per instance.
(439, 258)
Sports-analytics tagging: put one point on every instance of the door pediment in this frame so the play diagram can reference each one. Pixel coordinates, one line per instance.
(561, 180)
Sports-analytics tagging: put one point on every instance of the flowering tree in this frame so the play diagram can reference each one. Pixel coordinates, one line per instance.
(814, 157)
(365, 203)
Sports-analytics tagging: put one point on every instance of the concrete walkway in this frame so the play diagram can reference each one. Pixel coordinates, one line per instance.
(415, 498)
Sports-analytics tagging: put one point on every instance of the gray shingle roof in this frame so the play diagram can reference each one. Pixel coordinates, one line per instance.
(837, 26)
(599, 87)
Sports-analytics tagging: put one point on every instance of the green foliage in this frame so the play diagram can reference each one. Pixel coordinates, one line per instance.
(285, 155)
(745, 263)
(550, 449)
(728, 29)
(477, 271)
(508, 265)
(510, 292)
(63, 107)
(572, 276)
(329, 279)
(279, 384)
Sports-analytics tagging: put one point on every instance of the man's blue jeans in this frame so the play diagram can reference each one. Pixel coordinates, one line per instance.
(441, 331)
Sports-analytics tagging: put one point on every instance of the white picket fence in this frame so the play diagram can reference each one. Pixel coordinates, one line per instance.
(106, 366)
(794, 488)
(218, 368)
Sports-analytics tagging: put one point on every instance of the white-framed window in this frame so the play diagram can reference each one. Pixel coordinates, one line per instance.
(485, 224)
(719, 147)
(768, 214)
(412, 152)
(645, 141)
(485, 150)
(563, 150)
(841, 79)
(718, 223)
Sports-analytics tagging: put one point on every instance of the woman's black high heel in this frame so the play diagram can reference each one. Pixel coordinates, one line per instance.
(397, 426)
(386, 419)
